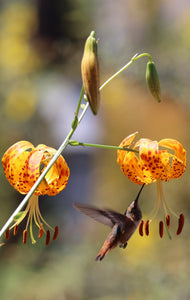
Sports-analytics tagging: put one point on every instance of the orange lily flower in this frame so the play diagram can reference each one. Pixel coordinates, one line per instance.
(23, 164)
(153, 163)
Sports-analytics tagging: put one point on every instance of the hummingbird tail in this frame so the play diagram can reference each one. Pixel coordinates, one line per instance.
(101, 254)
(99, 257)
(107, 246)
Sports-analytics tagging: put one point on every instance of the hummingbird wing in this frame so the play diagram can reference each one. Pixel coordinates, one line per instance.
(106, 217)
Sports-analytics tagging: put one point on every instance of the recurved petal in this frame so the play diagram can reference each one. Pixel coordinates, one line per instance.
(125, 143)
(34, 171)
(15, 162)
(23, 164)
(132, 168)
(19, 172)
(14, 151)
(63, 172)
(57, 177)
(178, 159)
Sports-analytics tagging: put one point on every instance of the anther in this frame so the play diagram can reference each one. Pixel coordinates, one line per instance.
(181, 221)
(40, 231)
(47, 237)
(56, 233)
(25, 236)
(168, 220)
(15, 229)
(146, 227)
(7, 234)
(141, 227)
(161, 228)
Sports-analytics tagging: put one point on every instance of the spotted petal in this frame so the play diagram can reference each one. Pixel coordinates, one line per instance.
(125, 143)
(15, 164)
(153, 163)
(131, 166)
(178, 159)
(154, 160)
(23, 164)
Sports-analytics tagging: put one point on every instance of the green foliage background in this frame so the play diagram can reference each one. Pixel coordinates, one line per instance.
(149, 268)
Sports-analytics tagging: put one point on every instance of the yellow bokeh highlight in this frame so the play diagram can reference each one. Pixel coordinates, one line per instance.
(20, 104)
(18, 19)
(18, 23)
(142, 247)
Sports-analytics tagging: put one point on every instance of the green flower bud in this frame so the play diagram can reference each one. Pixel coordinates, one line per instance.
(90, 73)
(74, 143)
(152, 80)
(74, 123)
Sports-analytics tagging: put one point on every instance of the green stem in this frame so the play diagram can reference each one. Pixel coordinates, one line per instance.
(80, 100)
(133, 59)
(75, 143)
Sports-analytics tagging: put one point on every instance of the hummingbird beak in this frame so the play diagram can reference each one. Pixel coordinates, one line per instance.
(136, 200)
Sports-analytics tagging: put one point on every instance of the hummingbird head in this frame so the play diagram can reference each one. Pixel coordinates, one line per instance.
(133, 211)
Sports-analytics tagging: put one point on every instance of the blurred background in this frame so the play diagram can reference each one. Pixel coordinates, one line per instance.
(41, 46)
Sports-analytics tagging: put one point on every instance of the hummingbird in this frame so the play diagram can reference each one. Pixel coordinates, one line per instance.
(123, 225)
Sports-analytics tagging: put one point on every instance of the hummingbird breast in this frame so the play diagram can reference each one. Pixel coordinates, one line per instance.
(127, 231)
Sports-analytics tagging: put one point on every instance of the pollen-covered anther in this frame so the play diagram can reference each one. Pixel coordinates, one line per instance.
(181, 221)
(25, 232)
(40, 231)
(168, 220)
(146, 227)
(15, 229)
(47, 237)
(141, 227)
(161, 228)
(56, 232)
(7, 234)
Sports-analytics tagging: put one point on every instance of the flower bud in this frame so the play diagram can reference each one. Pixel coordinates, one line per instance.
(152, 80)
(90, 73)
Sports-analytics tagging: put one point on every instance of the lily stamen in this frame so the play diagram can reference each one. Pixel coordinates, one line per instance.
(141, 227)
(168, 220)
(41, 230)
(180, 224)
(47, 237)
(56, 233)
(25, 232)
(7, 234)
(161, 228)
(15, 229)
(146, 227)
